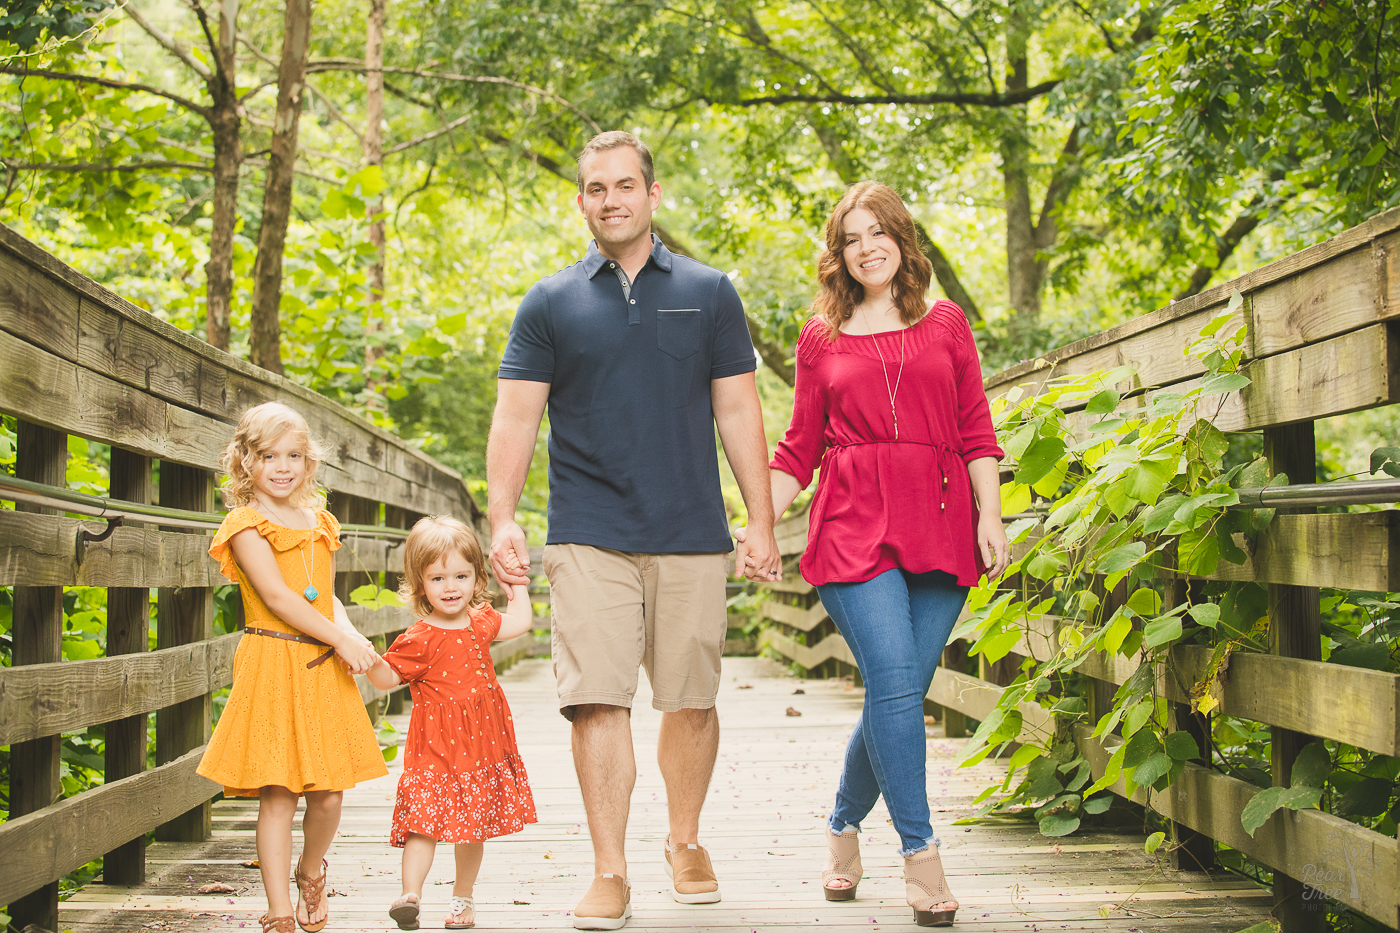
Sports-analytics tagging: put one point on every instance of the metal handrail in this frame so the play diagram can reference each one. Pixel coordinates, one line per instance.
(54, 497)
(1357, 492)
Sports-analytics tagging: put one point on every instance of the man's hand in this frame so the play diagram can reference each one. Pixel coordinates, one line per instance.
(510, 557)
(757, 559)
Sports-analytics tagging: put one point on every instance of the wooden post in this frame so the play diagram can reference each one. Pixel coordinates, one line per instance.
(1190, 850)
(955, 659)
(395, 517)
(128, 632)
(37, 631)
(1295, 631)
(353, 510)
(184, 615)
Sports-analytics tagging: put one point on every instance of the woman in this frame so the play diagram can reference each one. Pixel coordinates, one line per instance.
(889, 404)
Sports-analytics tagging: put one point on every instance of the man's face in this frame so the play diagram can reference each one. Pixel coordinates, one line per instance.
(615, 200)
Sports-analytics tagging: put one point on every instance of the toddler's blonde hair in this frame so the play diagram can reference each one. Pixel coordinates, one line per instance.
(432, 539)
(260, 427)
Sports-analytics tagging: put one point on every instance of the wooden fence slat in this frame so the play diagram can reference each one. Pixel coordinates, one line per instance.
(1351, 550)
(1374, 238)
(796, 617)
(371, 622)
(1316, 847)
(38, 309)
(73, 832)
(1315, 303)
(48, 699)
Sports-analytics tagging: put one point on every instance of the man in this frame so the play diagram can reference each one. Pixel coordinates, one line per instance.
(640, 355)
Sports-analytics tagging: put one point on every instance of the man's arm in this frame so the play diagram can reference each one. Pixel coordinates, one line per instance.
(739, 417)
(514, 426)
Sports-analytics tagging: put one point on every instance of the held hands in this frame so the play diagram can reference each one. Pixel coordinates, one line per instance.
(991, 541)
(757, 559)
(357, 653)
(510, 557)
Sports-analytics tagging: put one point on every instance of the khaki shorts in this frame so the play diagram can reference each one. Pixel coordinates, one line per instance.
(615, 611)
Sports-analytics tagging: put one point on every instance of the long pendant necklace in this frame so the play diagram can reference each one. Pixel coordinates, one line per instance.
(310, 592)
(891, 392)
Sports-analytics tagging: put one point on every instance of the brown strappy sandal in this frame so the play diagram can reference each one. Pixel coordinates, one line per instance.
(313, 891)
(842, 864)
(926, 887)
(278, 924)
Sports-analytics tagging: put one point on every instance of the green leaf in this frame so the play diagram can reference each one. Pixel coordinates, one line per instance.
(1145, 601)
(1367, 797)
(1263, 804)
(1015, 498)
(1056, 824)
(1121, 558)
(1311, 767)
(1039, 458)
(1142, 746)
(1182, 746)
(1147, 773)
(370, 180)
(1147, 479)
(1162, 630)
(1207, 614)
(1116, 631)
(1198, 552)
(1385, 458)
(1220, 383)
(338, 205)
(1103, 403)
(1098, 804)
(1154, 842)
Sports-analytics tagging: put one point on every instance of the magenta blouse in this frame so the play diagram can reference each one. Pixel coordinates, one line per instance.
(880, 502)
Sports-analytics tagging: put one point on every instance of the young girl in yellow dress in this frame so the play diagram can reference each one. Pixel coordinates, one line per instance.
(294, 725)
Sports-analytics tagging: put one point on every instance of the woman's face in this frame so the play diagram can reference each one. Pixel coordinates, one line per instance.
(871, 254)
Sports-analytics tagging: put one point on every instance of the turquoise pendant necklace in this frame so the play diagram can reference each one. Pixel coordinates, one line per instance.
(310, 592)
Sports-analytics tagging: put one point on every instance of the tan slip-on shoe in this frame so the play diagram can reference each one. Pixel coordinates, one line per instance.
(606, 906)
(693, 878)
(842, 864)
(926, 889)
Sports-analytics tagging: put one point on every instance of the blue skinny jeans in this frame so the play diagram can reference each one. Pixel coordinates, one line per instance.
(897, 626)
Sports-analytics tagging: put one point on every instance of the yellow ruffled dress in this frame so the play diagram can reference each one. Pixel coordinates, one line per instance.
(286, 724)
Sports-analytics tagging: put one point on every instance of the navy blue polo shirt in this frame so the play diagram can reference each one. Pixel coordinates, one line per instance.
(632, 459)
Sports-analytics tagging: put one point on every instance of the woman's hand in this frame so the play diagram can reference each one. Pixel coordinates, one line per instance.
(356, 652)
(752, 566)
(991, 541)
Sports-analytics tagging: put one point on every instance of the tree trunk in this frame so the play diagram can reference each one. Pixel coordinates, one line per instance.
(374, 155)
(225, 122)
(1024, 274)
(266, 332)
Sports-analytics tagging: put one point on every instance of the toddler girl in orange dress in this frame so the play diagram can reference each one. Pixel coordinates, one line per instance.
(463, 781)
(294, 725)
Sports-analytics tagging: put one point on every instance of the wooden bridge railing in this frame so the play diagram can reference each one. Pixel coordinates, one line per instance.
(77, 359)
(1322, 341)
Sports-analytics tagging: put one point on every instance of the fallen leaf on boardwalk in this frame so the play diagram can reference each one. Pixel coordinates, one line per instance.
(549, 854)
(522, 902)
(371, 872)
(1106, 909)
(336, 892)
(771, 852)
(745, 687)
(216, 887)
(252, 864)
(793, 711)
(577, 828)
(797, 691)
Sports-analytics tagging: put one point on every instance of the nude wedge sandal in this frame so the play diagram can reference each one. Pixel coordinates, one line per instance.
(926, 887)
(842, 864)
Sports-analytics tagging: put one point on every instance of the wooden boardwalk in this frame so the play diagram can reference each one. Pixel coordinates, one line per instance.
(775, 778)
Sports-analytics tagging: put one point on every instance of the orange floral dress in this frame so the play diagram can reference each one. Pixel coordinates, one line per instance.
(286, 724)
(463, 780)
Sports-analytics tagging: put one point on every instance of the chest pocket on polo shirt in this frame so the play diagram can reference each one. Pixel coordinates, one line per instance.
(678, 332)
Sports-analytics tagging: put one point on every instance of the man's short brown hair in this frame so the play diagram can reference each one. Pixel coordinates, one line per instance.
(616, 139)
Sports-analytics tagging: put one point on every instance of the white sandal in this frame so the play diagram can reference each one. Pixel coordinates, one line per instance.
(457, 907)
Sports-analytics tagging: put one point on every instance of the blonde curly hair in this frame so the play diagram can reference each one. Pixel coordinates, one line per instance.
(432, 539)
(259, 429)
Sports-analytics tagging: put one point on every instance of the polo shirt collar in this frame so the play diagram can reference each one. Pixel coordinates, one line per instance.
(660, 256)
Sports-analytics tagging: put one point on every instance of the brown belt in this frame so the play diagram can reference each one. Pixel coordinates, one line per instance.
(303, 639)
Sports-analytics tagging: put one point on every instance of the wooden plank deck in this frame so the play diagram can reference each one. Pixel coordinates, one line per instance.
(775, 778)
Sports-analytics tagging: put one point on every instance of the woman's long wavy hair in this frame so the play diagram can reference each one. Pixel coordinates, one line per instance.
(432, 539)
(840, 292)
(260, 427)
